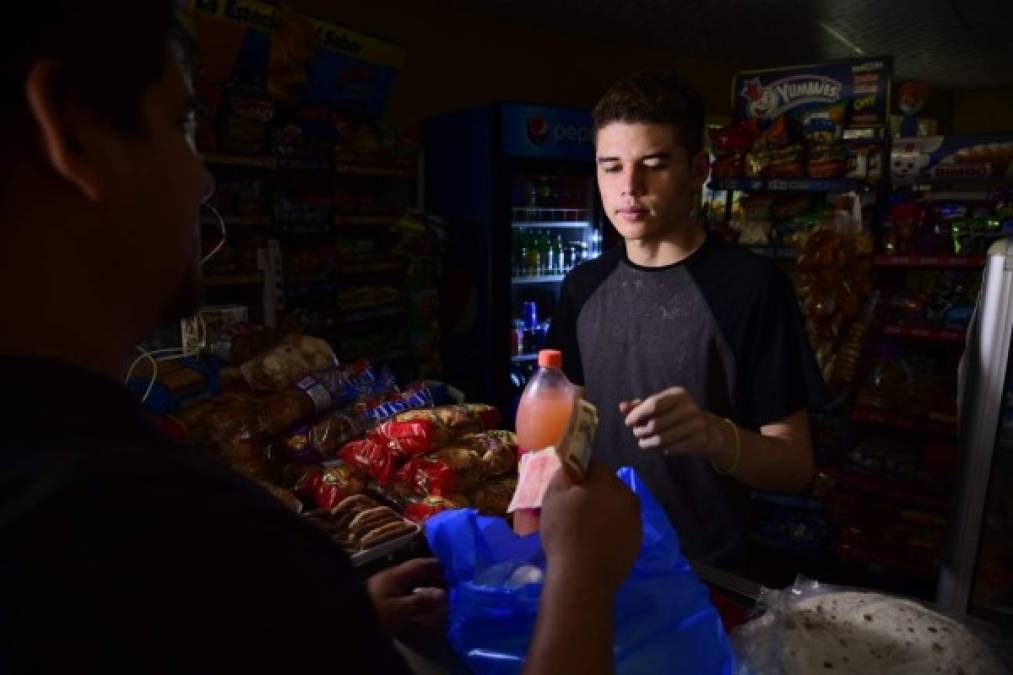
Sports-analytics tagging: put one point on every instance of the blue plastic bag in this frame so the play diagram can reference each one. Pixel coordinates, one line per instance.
(665, 621)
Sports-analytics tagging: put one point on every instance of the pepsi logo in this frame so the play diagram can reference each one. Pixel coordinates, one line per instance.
(538, 130)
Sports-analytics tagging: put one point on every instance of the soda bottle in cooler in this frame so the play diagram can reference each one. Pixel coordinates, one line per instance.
(542, 418)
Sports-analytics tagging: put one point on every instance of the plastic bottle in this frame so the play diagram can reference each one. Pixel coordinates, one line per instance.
(542, 417)
(560, 257)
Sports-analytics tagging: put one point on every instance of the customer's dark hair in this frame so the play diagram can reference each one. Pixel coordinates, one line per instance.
(109, 53)
(653, 97)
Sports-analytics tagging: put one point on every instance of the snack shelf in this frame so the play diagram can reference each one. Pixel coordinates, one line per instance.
(927, 261)
(957, 195)
(358, 317)
(553, 278)
(298, 164)
(375, 170)
(788, 184)
(520, 358)
(924, 333)
(224, 280)
(889, 418)
(547, 224)
(249, 161)
(239, 221)
(340, 220)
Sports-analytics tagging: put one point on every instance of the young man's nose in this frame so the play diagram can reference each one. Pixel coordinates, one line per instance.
(632, 182)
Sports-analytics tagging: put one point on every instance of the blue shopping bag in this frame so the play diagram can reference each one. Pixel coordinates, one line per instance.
(665, 621)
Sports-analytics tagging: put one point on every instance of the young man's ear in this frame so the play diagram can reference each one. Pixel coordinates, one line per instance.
(63, 129)
(700, 169)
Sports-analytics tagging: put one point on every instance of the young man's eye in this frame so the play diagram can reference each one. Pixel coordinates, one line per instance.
(611, 168)
(655, 164)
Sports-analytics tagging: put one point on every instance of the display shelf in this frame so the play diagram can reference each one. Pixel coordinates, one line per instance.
(248, 161)
(223, 280)
(775, 252)
(911, 493)
(925, 333)
(386, 170)
(819, 185)
(889, 418)
(238, 221)
(802, 502)
(957, 195)
(968, 261)
(520, 358)
(299, 164)
(536, 216)
(371, 314)
(549, 279)
(549, 224)
(370, 268)
(340, 220)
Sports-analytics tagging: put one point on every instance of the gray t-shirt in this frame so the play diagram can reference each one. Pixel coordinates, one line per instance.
(723, 324)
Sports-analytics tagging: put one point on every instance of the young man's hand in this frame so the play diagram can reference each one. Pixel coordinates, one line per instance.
(670, 421)
(591, 531)
(408, 594)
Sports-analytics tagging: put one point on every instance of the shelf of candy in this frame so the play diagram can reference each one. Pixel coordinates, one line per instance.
(374, 150)
(944, 233)
(304, 138)
(796, 153)
(233, 120)
(363, 458)
(930, 304)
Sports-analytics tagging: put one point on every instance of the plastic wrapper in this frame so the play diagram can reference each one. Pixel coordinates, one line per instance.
(326, 487)
(823, 126)
(296, 357)
(426, 508)
(324, 437)
(497, 451)
(663, 613)
(410, 438)
(246, 122)
(816, 628)
(375, 459)
(466, 418)
(827, 161)
(430, 476)
(735, 138)
(492, 497)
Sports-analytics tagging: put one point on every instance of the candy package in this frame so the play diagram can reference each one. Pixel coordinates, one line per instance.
(326, 487)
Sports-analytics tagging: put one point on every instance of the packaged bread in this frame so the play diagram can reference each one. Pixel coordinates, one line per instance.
(282, 366)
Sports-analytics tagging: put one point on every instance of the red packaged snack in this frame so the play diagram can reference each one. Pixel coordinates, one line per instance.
(735, 138)
(411, 438)
(496, 451)
(467, 418)
(420, 512)
(379, 461)
(327, 487)
(425, 476)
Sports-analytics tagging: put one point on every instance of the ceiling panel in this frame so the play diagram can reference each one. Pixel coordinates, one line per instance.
(959, 44)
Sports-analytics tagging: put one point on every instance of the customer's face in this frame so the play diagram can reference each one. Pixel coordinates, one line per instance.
(154, 188)
(646, 178)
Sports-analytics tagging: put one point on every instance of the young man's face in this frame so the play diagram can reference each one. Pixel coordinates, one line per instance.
(156, 186)
(646, 179)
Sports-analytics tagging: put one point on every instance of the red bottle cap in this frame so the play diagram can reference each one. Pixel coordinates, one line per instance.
(550, 358)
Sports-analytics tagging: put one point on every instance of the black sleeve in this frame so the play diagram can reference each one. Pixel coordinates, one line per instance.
(563, 332)
(779, 373)
(204, 584)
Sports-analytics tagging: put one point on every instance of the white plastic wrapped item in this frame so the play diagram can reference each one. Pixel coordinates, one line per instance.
(811, 628)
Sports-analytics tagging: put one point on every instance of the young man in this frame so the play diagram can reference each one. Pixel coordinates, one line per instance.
(692, 349)
(123, 552)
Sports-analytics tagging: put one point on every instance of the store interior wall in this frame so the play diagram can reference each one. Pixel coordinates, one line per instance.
(459, 57)
(983, 112)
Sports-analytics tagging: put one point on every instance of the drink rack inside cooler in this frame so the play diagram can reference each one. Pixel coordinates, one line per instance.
(554, 228)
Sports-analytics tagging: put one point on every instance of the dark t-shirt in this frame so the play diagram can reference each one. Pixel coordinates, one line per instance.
(125, 552)
(723, 324)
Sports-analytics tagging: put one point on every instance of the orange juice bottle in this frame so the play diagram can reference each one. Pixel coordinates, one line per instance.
(542, 417)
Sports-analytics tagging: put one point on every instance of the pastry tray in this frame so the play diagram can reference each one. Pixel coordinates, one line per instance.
(387, 548)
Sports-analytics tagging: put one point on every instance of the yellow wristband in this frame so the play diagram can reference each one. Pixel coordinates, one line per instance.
(730, 471)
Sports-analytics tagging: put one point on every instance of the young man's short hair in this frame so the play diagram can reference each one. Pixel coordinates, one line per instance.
(109, 53)
(653, 97)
